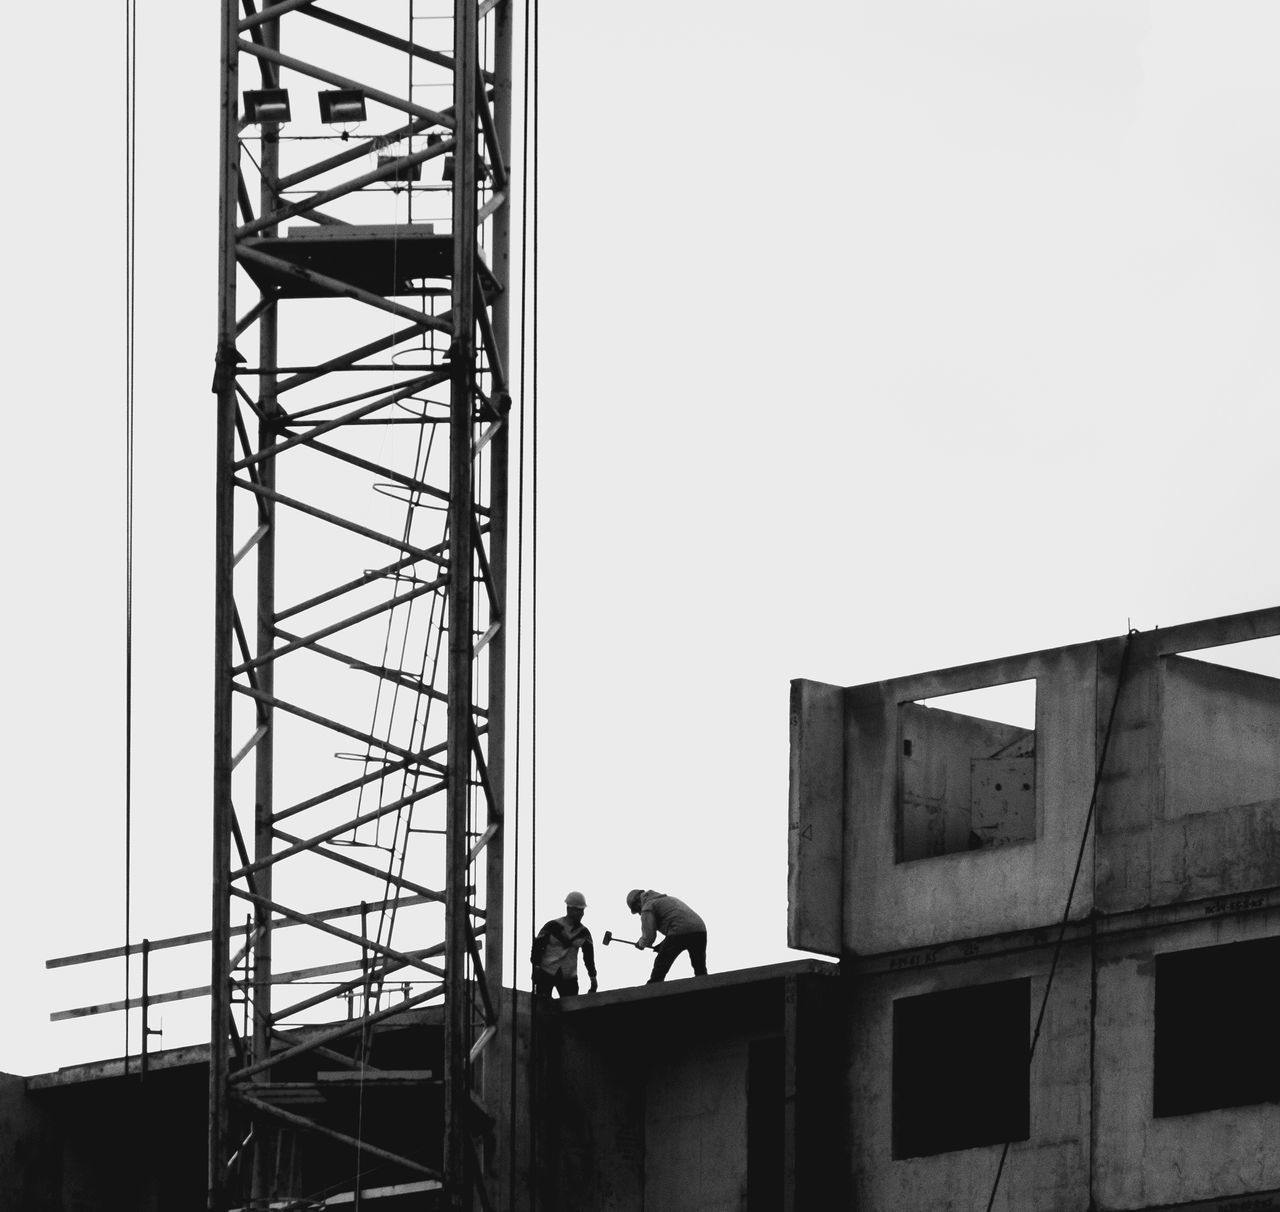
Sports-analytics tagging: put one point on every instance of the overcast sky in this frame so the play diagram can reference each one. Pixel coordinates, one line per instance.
(896, 337)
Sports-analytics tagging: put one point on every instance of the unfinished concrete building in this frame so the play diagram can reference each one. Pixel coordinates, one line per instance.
(1054, 936)
(1058, 934)
(1055, 927)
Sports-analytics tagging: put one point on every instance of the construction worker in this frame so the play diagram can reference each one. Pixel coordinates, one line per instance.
(555, 951)
(683, 929)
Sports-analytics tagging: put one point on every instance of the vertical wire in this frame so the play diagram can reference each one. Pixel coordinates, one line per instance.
(524, 424)
(532, 174)
(519, 629)
(408, 182)
(130, 183)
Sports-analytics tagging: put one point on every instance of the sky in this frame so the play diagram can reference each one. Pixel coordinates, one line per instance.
(895, 337)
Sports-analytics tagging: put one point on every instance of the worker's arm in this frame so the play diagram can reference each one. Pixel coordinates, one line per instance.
(648, 929)
(589, 960)
(539, 945)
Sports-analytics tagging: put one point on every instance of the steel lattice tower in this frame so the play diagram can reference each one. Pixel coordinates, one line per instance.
(363, 411)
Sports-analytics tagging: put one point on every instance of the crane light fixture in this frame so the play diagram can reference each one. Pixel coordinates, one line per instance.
(411, 172)
(266, 105)
(339, 105)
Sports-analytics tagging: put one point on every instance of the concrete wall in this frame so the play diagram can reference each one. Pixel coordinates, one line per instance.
(683, 1097)
(591, 1118)
(889, 905)
(1145, 1162)
(1091, 1087)
(951, 785)
(1190, 803)
(510, 1084)
(655, 1111)
(104, 1146)
(695, 1129)
(1049, 1171)
(652, 1109)
(1221, 738)
(1184, 853)
(30, 1153)
(816, 833)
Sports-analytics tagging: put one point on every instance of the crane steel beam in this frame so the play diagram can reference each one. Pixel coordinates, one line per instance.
(416, 228)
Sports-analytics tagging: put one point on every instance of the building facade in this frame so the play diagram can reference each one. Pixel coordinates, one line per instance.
(1058, 930)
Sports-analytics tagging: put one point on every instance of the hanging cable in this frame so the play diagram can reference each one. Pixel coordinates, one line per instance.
(1071, 891)
(527, 425)
(130, 194)
(532, 174)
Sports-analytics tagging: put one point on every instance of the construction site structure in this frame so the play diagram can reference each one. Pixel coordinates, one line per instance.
(1054, 919)
(361, 625)
(364, 419)
(1058, 923)
(364, 410)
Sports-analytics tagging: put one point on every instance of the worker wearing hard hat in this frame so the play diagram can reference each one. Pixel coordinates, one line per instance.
(683, 929)
(555, 951)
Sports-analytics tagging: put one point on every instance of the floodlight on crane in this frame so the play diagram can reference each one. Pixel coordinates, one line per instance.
(267, 105)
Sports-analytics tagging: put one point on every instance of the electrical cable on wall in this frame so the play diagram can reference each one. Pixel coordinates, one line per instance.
(1071, 891)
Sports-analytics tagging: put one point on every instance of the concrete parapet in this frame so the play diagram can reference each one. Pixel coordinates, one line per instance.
(914, 823)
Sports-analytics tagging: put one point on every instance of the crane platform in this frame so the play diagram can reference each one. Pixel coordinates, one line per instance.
(383, 259)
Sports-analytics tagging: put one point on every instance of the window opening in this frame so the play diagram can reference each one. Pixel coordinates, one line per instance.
(967, 771)
(961, 1068)
(1215, 1038)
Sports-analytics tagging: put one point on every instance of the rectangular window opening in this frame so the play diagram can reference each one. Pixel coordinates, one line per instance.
(1215, 1039)
(967, 771)
(961, 1068)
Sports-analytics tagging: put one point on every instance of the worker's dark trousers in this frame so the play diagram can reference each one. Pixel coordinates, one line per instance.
(669, 948)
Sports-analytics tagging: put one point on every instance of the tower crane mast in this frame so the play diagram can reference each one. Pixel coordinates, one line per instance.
(363, 410)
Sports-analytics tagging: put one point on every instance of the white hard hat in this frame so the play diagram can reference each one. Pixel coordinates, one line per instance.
(575, 900)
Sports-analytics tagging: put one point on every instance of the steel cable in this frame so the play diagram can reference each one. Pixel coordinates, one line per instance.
(1071, 891)
(527, 426)
(130, 196)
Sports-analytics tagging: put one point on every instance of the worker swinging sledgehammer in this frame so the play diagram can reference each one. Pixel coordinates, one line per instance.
(555, 951)
(684, 930)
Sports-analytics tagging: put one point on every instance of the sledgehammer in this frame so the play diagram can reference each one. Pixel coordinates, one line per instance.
(609, 938)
